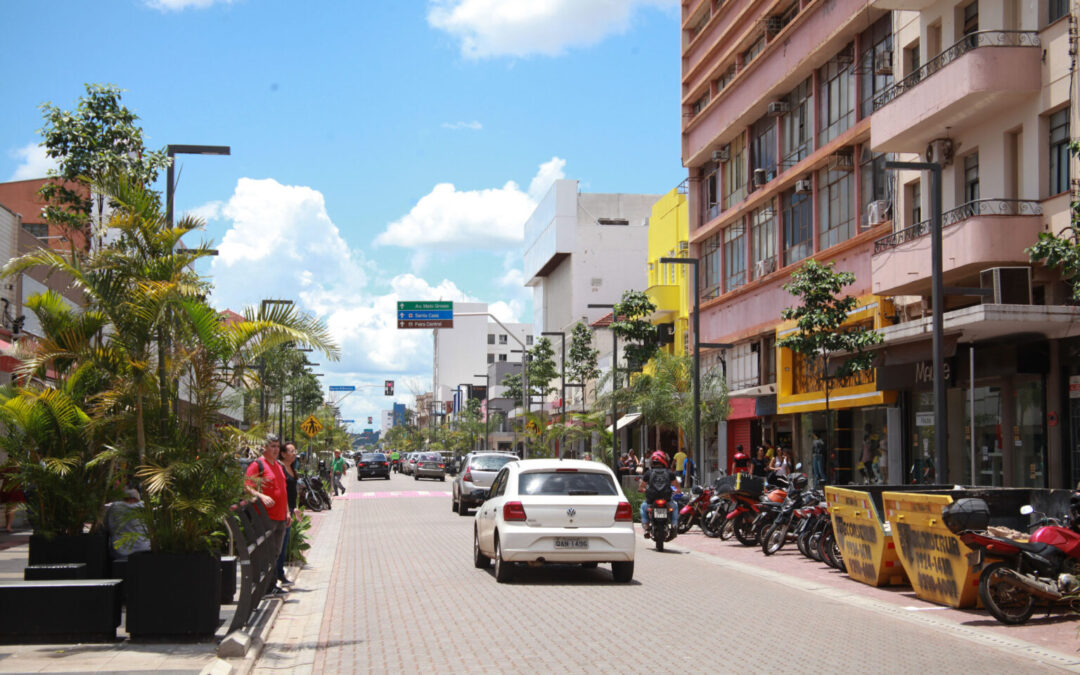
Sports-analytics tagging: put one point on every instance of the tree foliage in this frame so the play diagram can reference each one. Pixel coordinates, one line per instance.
(581, 357)
(637, 335)
(1061, 250)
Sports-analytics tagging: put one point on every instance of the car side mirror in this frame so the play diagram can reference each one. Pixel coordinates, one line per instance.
(1027, 510)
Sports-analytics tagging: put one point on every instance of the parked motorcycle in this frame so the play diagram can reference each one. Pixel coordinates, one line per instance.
(778, 531)
(1016, 574)
(714, 522)
(306, 494)
(694, 511)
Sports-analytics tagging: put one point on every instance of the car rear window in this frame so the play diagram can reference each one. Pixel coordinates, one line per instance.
(372, 458)
(430, 458)
(490, 462)
(566, 483)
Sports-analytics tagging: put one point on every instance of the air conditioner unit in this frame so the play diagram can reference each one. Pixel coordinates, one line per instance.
(940, 150)
(684, 246)
(804, 186)
(883, 63)
(777, 108)
(1010, 285)
(843, 159)
(722, 155)
(877, 212)
(760, 178)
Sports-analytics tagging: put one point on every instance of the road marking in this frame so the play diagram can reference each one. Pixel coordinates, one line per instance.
(397, 494)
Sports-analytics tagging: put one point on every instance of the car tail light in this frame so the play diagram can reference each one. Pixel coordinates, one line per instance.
(623, 513)
(661, 502)
(386, 463)
(468, 475)
(565, 470)
(442, 466)
(513, 511)
(361, 464)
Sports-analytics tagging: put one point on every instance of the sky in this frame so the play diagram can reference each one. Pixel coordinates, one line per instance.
(381, 151)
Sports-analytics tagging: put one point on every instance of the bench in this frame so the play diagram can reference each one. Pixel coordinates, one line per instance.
(249, 526)
(72, 610)
(54, 572)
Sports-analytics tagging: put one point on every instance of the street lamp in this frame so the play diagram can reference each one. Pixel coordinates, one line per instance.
(693, 262)
(562, 378)
(614, 381)
(937, 298)
(170, 181)
(487, 409)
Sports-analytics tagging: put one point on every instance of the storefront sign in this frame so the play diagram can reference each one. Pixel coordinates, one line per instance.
(918, 376)
(1074, 386)
(924, 419)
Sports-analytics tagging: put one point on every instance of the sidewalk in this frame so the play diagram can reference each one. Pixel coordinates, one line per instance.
(117, 657)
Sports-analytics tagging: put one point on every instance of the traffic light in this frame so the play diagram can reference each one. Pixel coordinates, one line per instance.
(389, 387)
(369, 419)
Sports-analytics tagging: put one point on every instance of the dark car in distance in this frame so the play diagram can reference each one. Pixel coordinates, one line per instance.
(372, 465)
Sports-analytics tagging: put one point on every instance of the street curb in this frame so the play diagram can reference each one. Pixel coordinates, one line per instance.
(1014, 646)
(244, 665)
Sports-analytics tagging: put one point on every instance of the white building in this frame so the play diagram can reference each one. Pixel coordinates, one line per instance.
(386, 421)
(584, 248)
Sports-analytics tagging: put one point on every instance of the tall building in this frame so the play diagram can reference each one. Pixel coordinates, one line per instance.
(790, 111)
(386, 421)
(670, 284)
(583, 248)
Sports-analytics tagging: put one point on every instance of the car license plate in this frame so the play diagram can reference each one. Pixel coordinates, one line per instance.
(660, 514)
(572, 542)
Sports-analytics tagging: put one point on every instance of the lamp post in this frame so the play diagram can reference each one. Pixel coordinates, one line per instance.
(562, 378)
(487, 409)
(693, 262)
(614, 382)
(170, 181)
(938, 320)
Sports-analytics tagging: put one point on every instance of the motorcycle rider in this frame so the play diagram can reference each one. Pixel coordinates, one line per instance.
(658, 482)
(740, 462)
(395, 460)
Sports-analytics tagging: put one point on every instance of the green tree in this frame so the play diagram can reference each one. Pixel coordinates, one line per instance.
(542, 368)
(99, 138)
(665, 396)
(1061, 250)
(821, 332)
(637, 335)
(581, 357)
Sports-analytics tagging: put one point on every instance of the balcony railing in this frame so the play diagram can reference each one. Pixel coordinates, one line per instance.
(970, 42)
(980, 207)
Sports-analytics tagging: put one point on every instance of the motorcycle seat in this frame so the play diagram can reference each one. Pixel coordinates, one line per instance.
(1034, 547)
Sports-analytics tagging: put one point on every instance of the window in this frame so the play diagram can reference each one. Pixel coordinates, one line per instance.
(836, 219)
(39, 230)
(528, 340)
(971, 177)
(836, 98)
(724, 80)
(502, 357)
(798, 224)
(763, 241)
(491, 358)
(734, 256)
(1059, 151)
(491, 338)
(711, 252)
(798, 123)
(1056, 10)
(743, 366)
(971, 18)
(735, 173)
(875, 62)
(700, 104)
(700, 24)
(752, 52)
(502, 339)
(566, 483)
(914, 200)
(712, 192)
(874, 181)
(763, 147)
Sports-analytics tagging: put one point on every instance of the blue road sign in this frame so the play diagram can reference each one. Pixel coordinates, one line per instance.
(342, 387)
(348, 421)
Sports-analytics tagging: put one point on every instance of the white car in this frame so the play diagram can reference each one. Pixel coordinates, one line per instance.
(555, 511)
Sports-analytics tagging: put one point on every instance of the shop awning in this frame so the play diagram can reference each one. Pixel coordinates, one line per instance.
(625, 420)
(754, 392)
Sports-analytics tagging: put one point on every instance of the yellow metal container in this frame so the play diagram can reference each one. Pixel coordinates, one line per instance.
(864, 539)
(934, 558)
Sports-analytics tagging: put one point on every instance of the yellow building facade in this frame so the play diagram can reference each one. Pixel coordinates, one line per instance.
(669, 285)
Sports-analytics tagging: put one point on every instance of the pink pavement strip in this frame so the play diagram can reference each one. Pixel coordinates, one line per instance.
(395, 494)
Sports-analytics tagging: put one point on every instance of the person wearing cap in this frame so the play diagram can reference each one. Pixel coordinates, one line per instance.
(127, 534)
(266, 483)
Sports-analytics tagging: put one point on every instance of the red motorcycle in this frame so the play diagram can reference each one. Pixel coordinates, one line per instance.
(1016, 574)
(694, 512)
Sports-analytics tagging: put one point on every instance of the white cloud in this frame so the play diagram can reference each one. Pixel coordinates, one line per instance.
(33, 162)
(491, 219)
(208, 211)
(517, 28)
(282, 243)
(180, 5)
(457, 126)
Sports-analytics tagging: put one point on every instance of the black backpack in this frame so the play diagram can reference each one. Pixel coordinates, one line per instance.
(659, 484)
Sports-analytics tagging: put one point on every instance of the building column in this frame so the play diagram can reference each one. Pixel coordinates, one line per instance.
(1008, 431)
(1055, 406)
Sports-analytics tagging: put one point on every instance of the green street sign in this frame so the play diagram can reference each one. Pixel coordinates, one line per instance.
(429, 306)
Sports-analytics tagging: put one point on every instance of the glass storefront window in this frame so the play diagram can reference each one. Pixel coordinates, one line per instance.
(858, 450)
(1029, 443)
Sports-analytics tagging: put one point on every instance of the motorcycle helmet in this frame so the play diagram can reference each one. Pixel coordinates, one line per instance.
(660, 458)
(741, 460)
(798, 481)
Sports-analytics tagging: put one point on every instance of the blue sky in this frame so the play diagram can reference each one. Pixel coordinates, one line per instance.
(380, 150)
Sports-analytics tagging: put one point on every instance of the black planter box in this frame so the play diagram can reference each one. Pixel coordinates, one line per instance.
(228, 579)
(92, 549)
(55, 572)
(72, 610)
(173, 595)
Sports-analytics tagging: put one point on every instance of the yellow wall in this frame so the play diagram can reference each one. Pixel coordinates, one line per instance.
(669, 285)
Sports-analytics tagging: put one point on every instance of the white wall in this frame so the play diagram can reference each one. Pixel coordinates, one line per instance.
(460, 352)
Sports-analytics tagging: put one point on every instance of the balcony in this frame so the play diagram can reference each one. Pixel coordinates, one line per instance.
(965, 84)
(666, 298)
(976, 235)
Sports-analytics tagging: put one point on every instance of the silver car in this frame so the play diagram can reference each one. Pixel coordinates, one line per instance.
(478, 470)
(429, 465)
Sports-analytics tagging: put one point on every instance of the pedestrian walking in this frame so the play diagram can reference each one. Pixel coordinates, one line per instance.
(288, 464)
(338, 469)
(266, 483)
(817, 452)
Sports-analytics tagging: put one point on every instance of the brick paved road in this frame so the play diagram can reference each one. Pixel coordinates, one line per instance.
(401, 595)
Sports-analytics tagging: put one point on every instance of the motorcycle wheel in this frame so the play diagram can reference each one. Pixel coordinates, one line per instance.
(825, 546)
(712, 523)
(802, 540)
(774, 538)
(727, 530)
(327, 502)
(743, 524)
(312, 501)
(658, 538)
(686, 523)
(1007, 603)
(812, 546)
